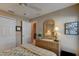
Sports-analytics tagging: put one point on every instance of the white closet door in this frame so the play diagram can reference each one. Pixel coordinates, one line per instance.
(7, 33)
(26, 32)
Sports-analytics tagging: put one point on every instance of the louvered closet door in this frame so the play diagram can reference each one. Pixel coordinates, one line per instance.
(26, 32)
(7, 33)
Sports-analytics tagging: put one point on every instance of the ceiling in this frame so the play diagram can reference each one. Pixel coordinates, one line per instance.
(32, 10)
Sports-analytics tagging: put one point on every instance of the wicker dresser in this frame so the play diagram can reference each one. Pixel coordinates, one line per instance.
(49, 45)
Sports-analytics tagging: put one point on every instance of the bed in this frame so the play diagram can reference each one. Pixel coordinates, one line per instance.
(27, 50)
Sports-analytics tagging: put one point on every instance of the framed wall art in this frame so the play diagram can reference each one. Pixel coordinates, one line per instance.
(72, 28)
(18, 28)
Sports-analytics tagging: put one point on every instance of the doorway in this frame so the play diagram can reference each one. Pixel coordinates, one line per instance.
(33, 36)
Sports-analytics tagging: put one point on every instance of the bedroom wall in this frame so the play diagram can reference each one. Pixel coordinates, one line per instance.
(18, 23)
(78, 41)
(67, 42)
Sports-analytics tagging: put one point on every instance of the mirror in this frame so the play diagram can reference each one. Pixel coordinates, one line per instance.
(48, 29)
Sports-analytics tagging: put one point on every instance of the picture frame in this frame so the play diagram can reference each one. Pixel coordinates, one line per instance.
(72, 28)
(18, 28)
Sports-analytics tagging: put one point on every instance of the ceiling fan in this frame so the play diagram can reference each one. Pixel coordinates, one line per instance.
(30, 6)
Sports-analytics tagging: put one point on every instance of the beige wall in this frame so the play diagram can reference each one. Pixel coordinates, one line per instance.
(18, 22)
(70, 14)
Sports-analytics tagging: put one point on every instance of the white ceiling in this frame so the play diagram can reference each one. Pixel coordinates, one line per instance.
(33, 9)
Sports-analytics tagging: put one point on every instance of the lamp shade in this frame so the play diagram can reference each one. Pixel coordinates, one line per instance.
(56, 29)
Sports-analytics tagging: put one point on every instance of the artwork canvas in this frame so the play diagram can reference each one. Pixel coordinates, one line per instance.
(18, 28)
(72, 28)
